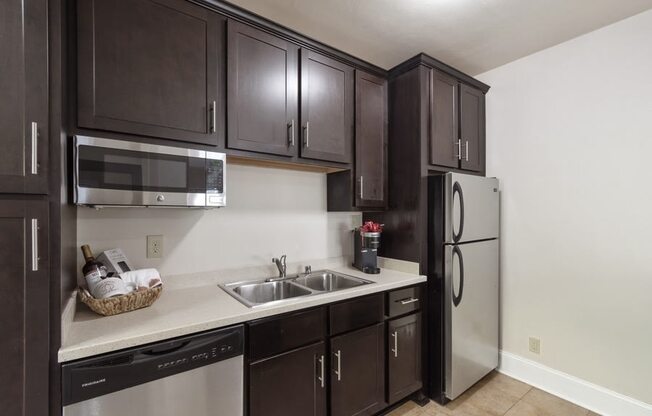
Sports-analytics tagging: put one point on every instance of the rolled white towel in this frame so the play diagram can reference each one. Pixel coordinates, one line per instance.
(143, 278)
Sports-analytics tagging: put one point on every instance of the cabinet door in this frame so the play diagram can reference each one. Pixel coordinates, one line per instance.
(370, 140)
(152, 68)
(358, 372)
(472, 128)
(262, 79)
(404, 349)
(24, 344)
(326, 108)
(289, 384)
(445, 148)
(24, 96)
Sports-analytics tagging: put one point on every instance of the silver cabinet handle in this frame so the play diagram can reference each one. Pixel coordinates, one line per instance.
(408, 301)
(306, 139)
(34, 244)
(34, 148)
(459, 149)
(361, 187)
(395, 350)
(321, 371)
(467, 150)
(213, 117)
(338, 372)
(291, 136)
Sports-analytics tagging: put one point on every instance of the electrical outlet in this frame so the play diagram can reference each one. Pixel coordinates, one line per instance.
(535, 345)
(356, 221)
(154, 246)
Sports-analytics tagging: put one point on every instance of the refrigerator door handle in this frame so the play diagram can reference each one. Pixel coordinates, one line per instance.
(457, 299)
(457, 189)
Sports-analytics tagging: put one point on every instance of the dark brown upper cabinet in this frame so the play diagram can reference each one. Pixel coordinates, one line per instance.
(151, 68)
(472, 128)
(24, 306)
(457, 132)
(326, 108)
(299, 373)
(365, 186)
(24, 98)
(358, 372)
(262, 92)
(370, 140)
(445, 145)
(404, 362)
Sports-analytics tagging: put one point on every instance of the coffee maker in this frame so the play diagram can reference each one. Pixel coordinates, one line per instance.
(366, 251)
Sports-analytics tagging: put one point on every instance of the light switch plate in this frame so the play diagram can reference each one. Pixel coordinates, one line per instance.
(535, 345)
(154, 246)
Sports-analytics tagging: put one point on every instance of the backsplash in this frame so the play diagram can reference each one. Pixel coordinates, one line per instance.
(269, 212)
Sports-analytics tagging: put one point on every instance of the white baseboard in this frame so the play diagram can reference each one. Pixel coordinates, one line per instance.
(588, 395)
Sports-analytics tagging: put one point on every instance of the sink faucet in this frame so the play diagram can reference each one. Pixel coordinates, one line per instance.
(281, 265)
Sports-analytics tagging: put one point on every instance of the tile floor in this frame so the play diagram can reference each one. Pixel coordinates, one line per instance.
(498, 395)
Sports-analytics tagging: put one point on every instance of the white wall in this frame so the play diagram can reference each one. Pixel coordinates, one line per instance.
(570, 136)
(270, 212)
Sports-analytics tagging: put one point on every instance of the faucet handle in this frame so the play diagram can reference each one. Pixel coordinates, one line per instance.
(308, 269)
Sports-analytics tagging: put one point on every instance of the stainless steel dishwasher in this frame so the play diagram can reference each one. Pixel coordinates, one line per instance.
(197, 375)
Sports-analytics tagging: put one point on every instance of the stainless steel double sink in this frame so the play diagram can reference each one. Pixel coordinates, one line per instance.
(268, 291)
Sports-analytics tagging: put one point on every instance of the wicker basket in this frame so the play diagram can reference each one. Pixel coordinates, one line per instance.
(120, 304)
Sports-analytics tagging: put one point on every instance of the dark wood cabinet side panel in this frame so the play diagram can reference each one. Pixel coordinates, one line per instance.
(24, 301)
(401, 234)
(359, 358)
(472, 128)
(262, 92)
(24, 96)
(289, 384)
(370, 140)
(444, 146)
(404, 341)
(327, 95)
(145, 78)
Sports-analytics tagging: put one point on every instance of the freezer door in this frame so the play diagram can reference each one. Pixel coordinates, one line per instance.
(471, 314)
(471, 208)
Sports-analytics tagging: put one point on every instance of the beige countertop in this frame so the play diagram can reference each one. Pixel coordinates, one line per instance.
(195, 303)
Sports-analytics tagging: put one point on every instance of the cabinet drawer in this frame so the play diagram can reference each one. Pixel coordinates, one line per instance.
(356, 313)
(272, 336)
(402, 301)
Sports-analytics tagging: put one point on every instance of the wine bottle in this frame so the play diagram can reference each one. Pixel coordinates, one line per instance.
(94, 271)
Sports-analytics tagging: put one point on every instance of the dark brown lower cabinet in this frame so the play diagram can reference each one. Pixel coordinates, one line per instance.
(289, 384)
(24, 344)
(404, 362)
(357, 375)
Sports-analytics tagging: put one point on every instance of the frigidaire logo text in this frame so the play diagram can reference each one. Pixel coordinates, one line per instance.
(92, 383)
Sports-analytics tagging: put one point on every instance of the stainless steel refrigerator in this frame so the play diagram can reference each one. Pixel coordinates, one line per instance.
(463, 282)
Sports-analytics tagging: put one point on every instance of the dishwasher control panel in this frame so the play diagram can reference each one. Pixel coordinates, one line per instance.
(92, 377)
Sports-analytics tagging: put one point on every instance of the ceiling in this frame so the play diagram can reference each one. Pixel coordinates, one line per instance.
(471, 35)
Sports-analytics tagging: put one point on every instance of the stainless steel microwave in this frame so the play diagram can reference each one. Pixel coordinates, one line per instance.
(120, 173)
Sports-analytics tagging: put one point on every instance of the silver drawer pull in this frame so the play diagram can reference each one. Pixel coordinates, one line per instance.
(408, 301)
(338, 372)
(361, 187)
(395, 350)
(467, 150)
(321, 371)
(459, 149)
(34, 245)
(34, 148)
